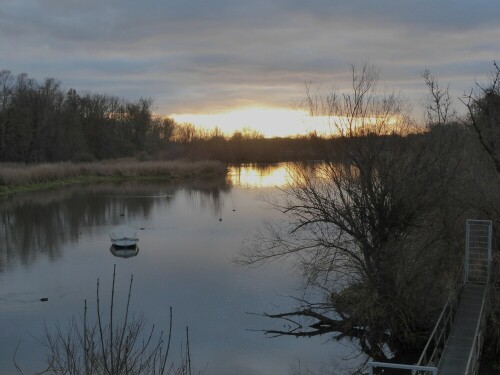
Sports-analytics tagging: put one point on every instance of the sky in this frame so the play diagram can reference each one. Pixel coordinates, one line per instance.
(230, 57)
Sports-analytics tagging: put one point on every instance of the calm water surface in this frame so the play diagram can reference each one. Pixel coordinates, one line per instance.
(55, 244)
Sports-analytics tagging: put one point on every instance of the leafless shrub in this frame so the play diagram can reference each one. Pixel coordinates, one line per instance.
(116, 347)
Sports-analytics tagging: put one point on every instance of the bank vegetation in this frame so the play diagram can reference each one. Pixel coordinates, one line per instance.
(15, 177)
(378, 232)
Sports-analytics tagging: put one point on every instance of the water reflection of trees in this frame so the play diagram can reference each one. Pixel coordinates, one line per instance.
(254, 175)
(39, 224)
(209, 196)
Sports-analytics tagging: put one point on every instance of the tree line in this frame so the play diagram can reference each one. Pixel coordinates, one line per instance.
(42, 122)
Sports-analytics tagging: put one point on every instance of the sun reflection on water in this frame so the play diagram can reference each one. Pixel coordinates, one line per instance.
(260, 176)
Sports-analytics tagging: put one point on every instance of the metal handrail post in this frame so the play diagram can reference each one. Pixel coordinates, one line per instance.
(467, 250)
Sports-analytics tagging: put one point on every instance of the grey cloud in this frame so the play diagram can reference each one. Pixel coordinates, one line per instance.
(193, 55)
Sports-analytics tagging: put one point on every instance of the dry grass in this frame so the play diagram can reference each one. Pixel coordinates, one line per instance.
(15, 175)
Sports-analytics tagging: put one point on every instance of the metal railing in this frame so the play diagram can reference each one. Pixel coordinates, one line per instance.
(477, 345)
(472, 367)
(439, 336)
(437, 340)
(431, 354)
(478, 241)
(414, 368)
(442, 329)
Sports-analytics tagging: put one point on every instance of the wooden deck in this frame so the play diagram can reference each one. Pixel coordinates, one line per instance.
(459, 345)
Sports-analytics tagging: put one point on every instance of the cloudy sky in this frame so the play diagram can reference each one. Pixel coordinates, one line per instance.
(210, 56)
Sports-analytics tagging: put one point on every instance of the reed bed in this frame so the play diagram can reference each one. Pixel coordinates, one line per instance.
(14, 175)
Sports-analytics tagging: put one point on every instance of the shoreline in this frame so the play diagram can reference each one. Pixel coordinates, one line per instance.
(21, 178)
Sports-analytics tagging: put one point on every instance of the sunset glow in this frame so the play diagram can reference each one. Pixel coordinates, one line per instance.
(278, 122)
(270, 122)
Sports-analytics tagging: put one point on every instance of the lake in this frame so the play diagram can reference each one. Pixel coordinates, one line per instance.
(55, 244)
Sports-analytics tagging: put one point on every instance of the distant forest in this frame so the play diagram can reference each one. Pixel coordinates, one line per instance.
(42, 122)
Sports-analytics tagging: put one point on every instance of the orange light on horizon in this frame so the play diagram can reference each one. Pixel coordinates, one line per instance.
(280, 122)
(270, 122)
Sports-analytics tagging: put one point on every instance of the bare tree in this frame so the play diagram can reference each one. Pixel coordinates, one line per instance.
(483, 106)
(6, 89)
(185, 133)
(365, 230)
(439, 105)
(361, 111)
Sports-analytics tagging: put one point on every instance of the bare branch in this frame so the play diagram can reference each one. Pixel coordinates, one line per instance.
(439, 106)
(363, 230)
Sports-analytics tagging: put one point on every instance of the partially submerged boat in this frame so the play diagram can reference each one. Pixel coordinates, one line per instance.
(124, 237)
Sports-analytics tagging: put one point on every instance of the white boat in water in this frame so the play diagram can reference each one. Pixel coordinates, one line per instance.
(124, 236)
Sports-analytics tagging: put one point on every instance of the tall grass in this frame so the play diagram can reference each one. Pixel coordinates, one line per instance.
(15, 175)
